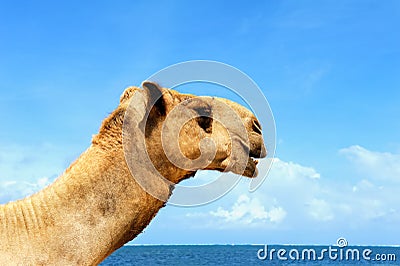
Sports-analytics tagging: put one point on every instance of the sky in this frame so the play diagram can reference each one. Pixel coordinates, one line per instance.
(329, 69)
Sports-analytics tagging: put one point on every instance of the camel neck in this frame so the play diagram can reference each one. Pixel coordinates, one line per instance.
(91, 210)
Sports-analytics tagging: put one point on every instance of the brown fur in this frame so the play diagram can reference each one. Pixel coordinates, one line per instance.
(96, 206)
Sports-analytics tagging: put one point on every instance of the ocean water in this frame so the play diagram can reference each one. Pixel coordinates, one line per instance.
(249, 255)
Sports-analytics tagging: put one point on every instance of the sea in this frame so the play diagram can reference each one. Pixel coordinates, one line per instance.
(254, 255)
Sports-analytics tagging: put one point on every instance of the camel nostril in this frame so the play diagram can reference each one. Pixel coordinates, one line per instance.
(256, 127)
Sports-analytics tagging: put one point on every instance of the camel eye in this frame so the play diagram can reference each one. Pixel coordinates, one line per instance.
(204, 118)
(256, 127)
(205, 123)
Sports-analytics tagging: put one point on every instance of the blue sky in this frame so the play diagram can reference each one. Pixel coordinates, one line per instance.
(329, 69)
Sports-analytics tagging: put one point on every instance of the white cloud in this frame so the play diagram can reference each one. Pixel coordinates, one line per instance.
(13, 190)
(287, 188)
(377, 165)
(249, 210)
(277, 214)
(293, 171)
(320, 210)
(26, 169)
(363, 185)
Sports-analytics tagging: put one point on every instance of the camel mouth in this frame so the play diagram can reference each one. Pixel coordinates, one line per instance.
(254, 154)
(236, 167)
(251, 170)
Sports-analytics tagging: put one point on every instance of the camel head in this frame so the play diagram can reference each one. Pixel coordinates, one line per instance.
(185, 133)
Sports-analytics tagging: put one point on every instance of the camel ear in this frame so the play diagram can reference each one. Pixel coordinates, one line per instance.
(127, 94)
(155, 100)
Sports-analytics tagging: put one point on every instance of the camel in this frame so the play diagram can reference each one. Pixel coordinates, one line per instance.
(96, 206)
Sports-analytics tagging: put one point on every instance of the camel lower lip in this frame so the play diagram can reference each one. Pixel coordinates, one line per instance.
(255, 161)
(251, 168)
